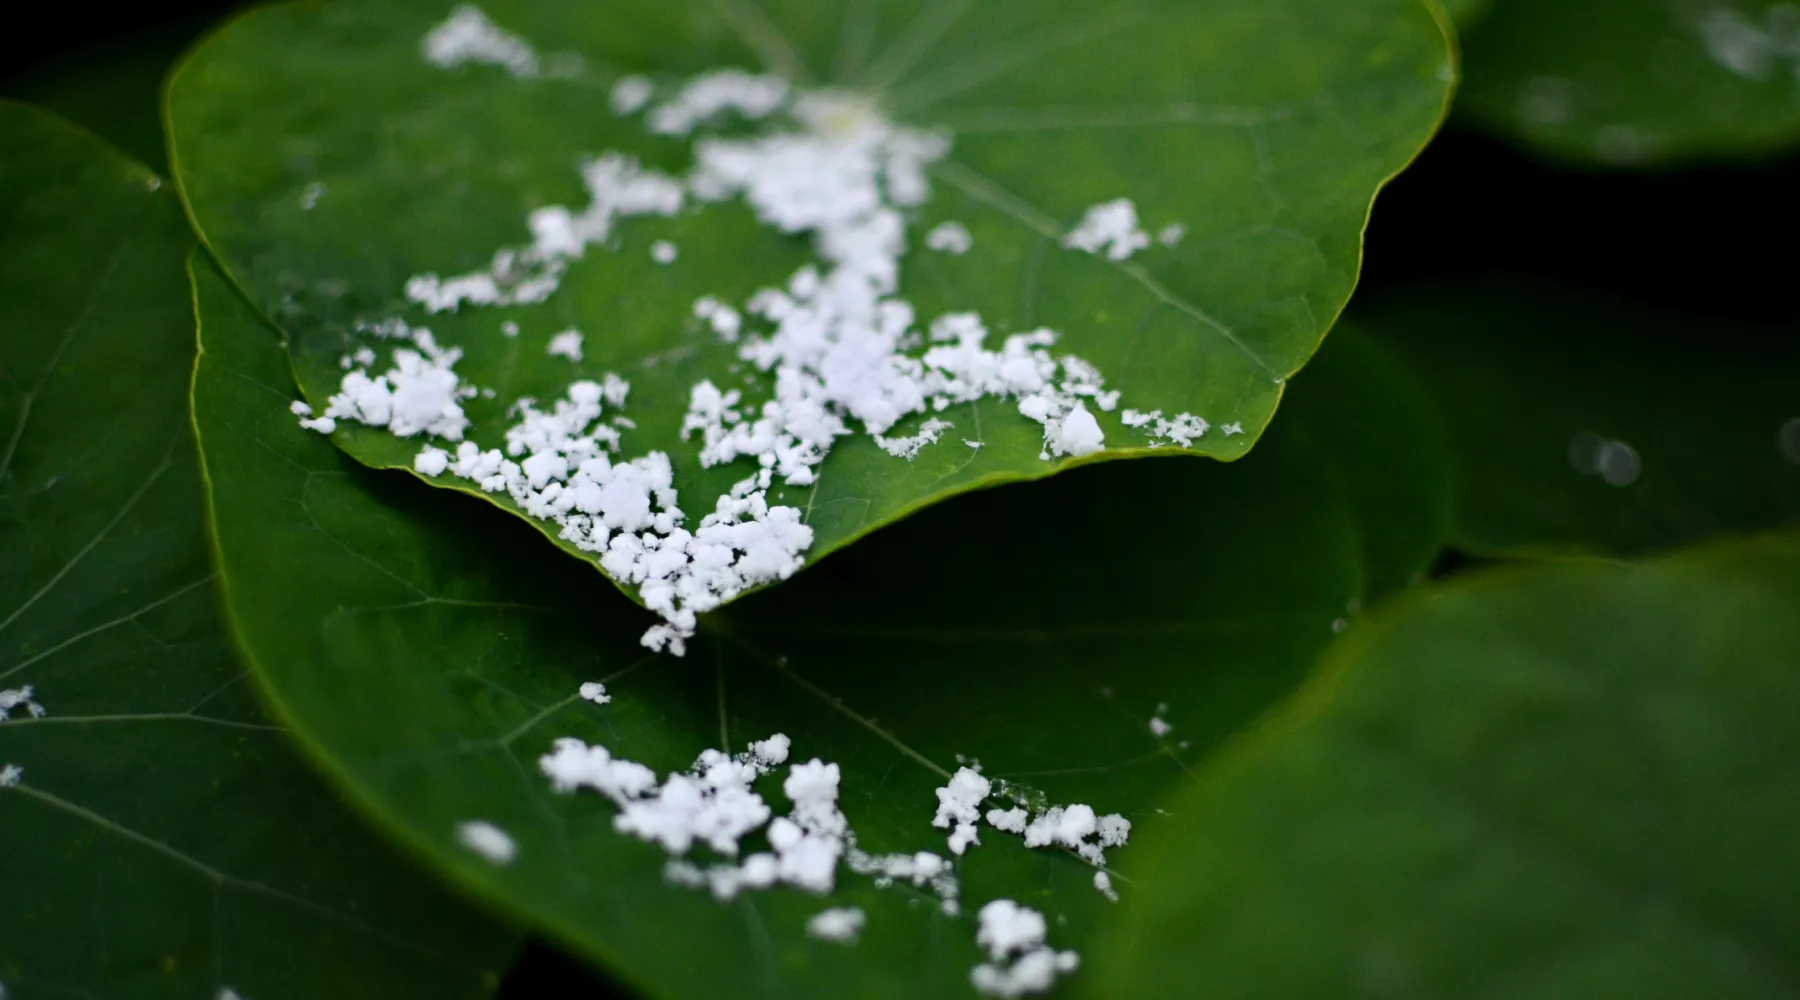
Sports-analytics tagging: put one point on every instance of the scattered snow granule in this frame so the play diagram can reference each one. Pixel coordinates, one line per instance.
(1103, 885)
(299, 408)
(1232, 430)
(631, 93)
(950, 237)
(566, 344)
(1171, 234)
(431, 461)
(1109, 228)
(509, 329)
(468, 36)
(712, 94)
(487, 840)
(840, 925)
(309, 197)
(1159, 727)
(664, 252)
(16, 697)
(909, 447)
(1180, 431)
(11, 775)
(595, 692)
(1008, 820)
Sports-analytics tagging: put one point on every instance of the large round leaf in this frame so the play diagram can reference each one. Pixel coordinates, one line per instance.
(1036, 630)
(160, 837)
(1578, 423)
(1632, 83)
(327, 162)
(1577, 781)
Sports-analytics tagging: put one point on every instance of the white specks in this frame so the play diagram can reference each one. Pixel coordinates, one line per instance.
(1103, 885)
(1172, 234)
(1615, 462)
(663, 252)
(1181, 431)
(630, 94)
(487, 840)
(840, 925)
(431, 461)
(13, 699)
(1008, 929)
(1787, 441)
(909, 447)
(509, 329)
(1232, 430)
(950, 237)
(11, 775)
(310, 195)
(595, 692)
(1109, 228)
(469, 37)
(566, 344)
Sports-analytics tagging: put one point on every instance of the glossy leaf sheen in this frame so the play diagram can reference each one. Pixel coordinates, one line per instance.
(1528, 380)
(1035, 629)
(1265, 128)
(1628, 83)
(165, 839)
(1576, 781)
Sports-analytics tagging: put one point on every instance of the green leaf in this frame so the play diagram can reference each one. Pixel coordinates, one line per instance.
(1464, 13)
(1626, 83)
(1035, 629)
(162, 839)
(1582, 424)
(1575, 781)
(1265, 130)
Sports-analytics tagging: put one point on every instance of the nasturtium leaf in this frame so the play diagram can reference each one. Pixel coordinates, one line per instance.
(1582, 424)
(433, 656)
(1574, 781)
(329, 163)
(1629, 83)
(159, 837)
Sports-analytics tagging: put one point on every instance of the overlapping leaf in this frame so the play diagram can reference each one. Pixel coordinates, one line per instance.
(1634, 83)
(1570, 782)
(427, 648)
(327, 163)
(162, 839)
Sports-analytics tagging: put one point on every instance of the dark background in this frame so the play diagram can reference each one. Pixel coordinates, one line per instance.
(1715, 242)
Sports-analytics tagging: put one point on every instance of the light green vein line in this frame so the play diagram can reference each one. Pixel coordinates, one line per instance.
(913, 43)
(97, 629)
(981, 188)
(1055, 118)
(50, 720)
(761, 36)
(998, 60)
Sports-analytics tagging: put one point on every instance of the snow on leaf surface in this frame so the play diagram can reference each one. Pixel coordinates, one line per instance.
(951, 666)
(157, 829)
(1251, 141)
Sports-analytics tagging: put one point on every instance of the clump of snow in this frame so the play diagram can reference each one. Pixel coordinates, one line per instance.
(1182, 430)
(959, 803)
(840, 924)
(950, 237)
(595, 692)
(712, 95)
(11, 775)
(566, 344)
(1008, 820)
(487, 840)
(1232, 430)
(469, 37)
(1103, 885)
(1109, 229)
(16, 697)
(420, 394)
(630, 94)
(1007, 930)
(1159, 726)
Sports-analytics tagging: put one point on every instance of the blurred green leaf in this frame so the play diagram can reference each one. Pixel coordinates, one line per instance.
(163, 839)
(1628, 83)
(1034, 629)
(1576, 781)
(1578, 423)
(327, 162)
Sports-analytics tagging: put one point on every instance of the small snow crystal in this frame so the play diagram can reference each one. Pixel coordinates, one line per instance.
(11, 775)
(1181, 431)
(1008, 929)
(595, 692)
(630, 94)
(1109, 228)
(469, 37)
(12, 699)
(664, 252)
(566, 344)
(841, 925)
(951, 238)
(909, 447)
(1171, 234)
(1103, 885)
(487, 840)
(1232, 430)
